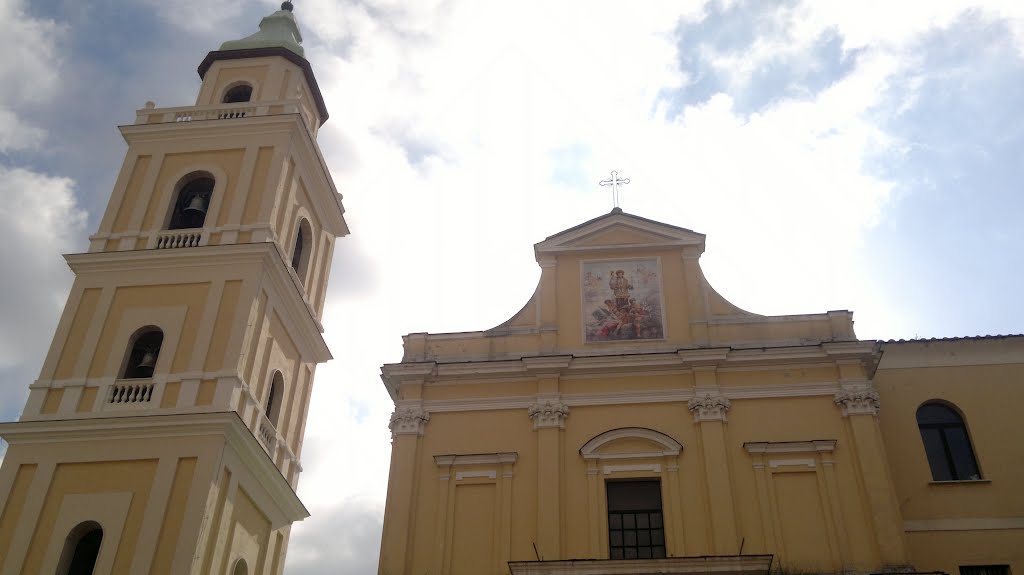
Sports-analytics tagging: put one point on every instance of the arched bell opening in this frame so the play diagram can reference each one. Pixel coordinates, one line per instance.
(192, 202)
(237, 94)
(143, 352)
(300, 251)
(275, 398)
(81, 549)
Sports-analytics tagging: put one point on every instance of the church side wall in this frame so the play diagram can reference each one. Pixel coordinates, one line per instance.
(953, 523)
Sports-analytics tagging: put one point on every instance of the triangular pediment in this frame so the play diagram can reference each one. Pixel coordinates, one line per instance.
(619, 230)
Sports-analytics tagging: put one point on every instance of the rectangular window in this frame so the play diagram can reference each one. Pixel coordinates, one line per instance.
(635, 523)
(984, 570)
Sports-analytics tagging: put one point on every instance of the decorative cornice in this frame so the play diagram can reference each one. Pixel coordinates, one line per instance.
(408, 420)
(547, 413)
(733, 565)
(775, 447)
(858, 399)
(287, 506)
(477, 459)
(709, 406)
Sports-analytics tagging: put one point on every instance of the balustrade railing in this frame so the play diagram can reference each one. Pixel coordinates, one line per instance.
(268, 435)
(178, 239)
(216, 112)
(122, 393)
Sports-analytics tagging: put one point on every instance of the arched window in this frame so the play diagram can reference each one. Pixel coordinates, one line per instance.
(946, 443)
(81, 548)
(300, 253)
(240, 568)
(239, 93)
(143, 353)
(274, 398)
(193, 200)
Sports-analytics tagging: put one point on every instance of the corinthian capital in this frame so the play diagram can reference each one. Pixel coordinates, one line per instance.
(548, 413)
(411, 420)
(861, 399)
(709, 407)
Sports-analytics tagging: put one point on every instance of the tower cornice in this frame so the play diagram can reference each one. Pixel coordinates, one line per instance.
(279, 497)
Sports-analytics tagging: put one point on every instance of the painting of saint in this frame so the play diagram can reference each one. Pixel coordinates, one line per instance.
(622, 300)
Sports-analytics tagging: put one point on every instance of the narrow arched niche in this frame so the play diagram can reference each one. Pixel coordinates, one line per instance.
(274, 398)
(300, 251)
(241, 568)
(81, 549)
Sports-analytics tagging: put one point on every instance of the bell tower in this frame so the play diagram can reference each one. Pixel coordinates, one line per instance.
(164, 432)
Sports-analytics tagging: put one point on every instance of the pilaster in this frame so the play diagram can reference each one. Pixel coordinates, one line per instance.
(407, 424)
(548, 415)
(859, 402)
(709, 407)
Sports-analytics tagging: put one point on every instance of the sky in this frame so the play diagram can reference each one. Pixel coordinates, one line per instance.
(838, 155)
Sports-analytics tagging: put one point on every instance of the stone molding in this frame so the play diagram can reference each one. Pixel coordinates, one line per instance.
(858, 399)
(409, 420)
(548, 413)
(709, 407)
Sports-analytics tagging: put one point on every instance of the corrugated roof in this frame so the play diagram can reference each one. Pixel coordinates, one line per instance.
(956, 338)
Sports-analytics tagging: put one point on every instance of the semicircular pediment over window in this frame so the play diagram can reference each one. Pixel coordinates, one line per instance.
(630, 443)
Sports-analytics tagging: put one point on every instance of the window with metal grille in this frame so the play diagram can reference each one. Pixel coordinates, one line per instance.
(635, 522)
(984, 570)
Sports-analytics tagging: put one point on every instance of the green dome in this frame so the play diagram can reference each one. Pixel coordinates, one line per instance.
(279, 30)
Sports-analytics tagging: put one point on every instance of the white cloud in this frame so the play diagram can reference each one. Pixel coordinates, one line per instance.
(40, 220)
(202, 16)
(29, 73)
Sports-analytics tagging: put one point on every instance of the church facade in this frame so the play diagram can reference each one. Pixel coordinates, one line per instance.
(164, 433)
(629, 419)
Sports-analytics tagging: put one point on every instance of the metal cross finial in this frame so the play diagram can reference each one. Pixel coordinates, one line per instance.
(615, 181)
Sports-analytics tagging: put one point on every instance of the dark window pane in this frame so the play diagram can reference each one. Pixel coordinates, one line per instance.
(635, 519)
(633, 495)
(935, 450)
(937, 413)
(985, 570)
(963, 456)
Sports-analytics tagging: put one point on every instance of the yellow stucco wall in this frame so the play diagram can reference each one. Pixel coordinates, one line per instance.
(13, 503)
(176, 505)
(95, 477)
